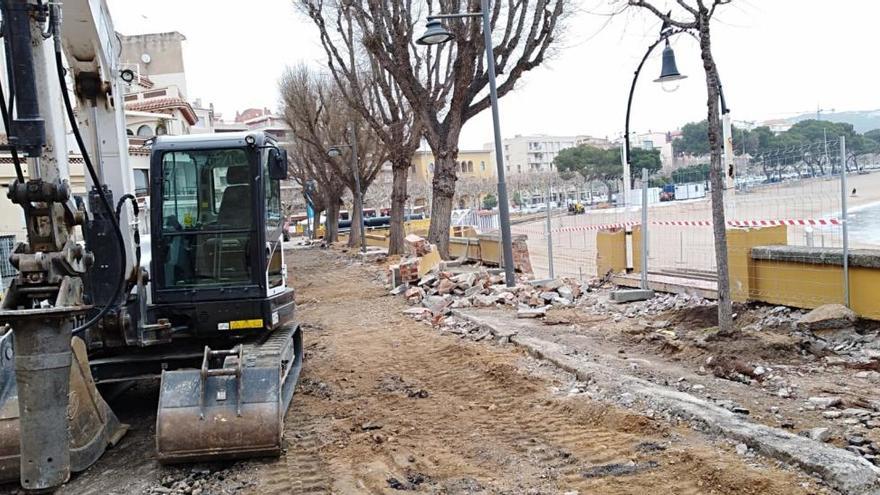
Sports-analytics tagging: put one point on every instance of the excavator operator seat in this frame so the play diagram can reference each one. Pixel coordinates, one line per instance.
(235, 206)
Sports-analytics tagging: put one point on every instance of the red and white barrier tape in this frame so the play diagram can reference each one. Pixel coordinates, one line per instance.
(692, 223)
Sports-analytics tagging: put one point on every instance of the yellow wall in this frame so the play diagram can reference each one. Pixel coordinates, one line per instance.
(636, 249)
(797, 284)
(610, 251)
(468, 247)
(481, 160)
(739, 256)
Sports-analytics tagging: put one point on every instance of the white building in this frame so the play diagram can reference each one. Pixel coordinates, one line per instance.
(656, 140)
(535, 153)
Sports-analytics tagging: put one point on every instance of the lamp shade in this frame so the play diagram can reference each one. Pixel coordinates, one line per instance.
(669, 71)
(435, 34)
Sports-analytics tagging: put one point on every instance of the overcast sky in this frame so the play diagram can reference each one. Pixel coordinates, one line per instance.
(776, 58)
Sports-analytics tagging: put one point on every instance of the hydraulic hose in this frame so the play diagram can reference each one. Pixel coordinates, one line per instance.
(95, 180)
(6, 113)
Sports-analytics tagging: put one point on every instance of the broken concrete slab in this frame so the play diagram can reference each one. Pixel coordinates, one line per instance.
(631, 295)
(429, 261)
(565, 292)
(828, 317)
(531, 312)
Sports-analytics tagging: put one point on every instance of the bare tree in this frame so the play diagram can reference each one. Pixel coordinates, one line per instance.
(307, 164)
(320, 117)
(373, 93)
(445, 85)
(695, 17)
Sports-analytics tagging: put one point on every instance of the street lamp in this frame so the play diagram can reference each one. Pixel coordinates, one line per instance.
(336, 152)
(436, 33)
(669, 76)
(669, 80)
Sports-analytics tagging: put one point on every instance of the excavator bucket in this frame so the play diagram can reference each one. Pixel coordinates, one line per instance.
(233, 406)
(92, 424)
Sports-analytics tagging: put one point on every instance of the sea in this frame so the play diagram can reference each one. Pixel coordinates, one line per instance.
(864, 224)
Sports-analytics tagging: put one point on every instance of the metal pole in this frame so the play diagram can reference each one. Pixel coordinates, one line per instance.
(825, 140)
(357, 186)
(503, 206)
(644, 252)
(627, 164)
(627, 174)
(549, 225)
(845, 220)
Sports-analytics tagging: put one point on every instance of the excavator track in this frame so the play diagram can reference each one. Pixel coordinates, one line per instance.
(233, 406)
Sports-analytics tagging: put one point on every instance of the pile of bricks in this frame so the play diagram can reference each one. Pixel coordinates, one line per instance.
(421, 258)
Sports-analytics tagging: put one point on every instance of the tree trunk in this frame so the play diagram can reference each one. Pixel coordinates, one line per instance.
(716, 178)
(316, 223)
(400, 171)
(443, 187)
(331, 230)
(354, 233)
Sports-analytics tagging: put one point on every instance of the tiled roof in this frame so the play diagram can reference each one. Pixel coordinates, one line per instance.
(168, 103)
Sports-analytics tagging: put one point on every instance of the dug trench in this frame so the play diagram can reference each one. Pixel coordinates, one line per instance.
(387, 405)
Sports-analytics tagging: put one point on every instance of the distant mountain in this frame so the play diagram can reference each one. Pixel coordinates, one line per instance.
(861, 120)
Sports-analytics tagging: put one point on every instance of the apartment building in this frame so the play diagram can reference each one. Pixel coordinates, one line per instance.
(535, 153)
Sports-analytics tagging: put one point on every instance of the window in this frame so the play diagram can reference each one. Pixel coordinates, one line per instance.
(129, 132)
(207, 220)
(482, 166)
(141, 181)
(470, 167)
(273, 198)
(431, 167)
(145, 131)
(274, 265)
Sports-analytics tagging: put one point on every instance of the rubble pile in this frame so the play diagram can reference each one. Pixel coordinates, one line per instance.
(440, 291)
(444, 286)
(203, 480)
(773, 317)
(832, 333)
(651, 307)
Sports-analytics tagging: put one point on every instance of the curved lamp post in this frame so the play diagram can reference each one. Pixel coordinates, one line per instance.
(436, 33)
(669, 80)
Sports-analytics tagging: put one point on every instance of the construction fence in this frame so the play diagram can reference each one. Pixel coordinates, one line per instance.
(804, 196)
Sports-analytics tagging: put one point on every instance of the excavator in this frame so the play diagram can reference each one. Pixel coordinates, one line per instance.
(202, 305)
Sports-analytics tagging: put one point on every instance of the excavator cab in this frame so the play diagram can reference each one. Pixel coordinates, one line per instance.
(216, 227)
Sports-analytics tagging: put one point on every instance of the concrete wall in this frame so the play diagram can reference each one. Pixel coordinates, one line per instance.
(610, 252)
(743, 276)
(810, 277)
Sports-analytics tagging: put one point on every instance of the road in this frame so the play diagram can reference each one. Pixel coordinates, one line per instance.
(387, 404)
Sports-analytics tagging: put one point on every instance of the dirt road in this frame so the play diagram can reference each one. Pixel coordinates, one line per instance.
(388, 405)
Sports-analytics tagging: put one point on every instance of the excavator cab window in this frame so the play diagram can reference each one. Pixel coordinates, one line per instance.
(274, 262)
(207, 221)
